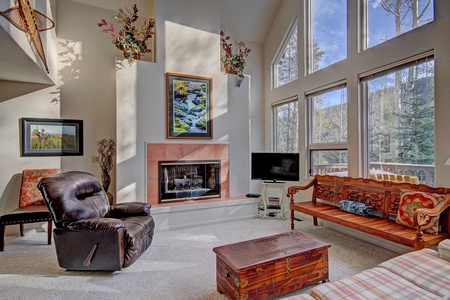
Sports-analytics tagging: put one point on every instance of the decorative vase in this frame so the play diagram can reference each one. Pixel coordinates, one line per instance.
(228, 69)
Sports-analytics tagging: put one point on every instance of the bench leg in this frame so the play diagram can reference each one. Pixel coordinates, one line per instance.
(315, 221)
(21, 229)
(292, 219)
(2, 237)
(49, 232)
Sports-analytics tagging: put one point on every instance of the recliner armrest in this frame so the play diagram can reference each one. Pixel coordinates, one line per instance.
(97, 225)
(123, 210)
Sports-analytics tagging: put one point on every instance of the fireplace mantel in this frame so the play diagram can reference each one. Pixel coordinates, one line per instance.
(183, 152)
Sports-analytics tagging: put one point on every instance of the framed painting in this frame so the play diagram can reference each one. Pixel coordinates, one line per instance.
(189, 106)
(51, 137)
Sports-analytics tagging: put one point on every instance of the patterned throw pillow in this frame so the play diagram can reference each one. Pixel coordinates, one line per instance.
(29, 193)
(355, 207)
(412, 200)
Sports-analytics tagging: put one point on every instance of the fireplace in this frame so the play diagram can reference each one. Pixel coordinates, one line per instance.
(188, 180)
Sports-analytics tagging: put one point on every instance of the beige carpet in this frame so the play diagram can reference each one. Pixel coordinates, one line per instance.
(179, 264)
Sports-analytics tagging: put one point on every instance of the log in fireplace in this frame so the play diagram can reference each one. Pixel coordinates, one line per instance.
(189, 180)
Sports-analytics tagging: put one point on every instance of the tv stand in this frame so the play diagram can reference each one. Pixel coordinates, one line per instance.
(273, 181)
(273, 184)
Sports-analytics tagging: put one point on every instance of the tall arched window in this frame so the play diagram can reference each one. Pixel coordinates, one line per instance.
(285, 67)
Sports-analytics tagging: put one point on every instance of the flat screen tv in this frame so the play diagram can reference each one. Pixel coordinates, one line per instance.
(275, 166)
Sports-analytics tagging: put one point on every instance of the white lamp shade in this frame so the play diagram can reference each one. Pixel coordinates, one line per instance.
(447, 163)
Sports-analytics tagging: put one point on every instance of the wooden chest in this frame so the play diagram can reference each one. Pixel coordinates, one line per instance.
(271, 266)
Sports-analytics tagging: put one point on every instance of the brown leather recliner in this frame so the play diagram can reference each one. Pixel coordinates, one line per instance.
(90, 234)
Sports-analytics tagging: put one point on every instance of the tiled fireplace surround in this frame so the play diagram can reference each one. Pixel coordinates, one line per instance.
(170, 152)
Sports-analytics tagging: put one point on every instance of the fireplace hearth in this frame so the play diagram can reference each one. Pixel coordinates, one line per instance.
(189, 180)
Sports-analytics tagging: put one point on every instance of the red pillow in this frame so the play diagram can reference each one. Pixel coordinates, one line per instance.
(29, 193)
(412, 200)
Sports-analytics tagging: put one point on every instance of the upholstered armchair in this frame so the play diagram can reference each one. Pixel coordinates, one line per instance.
(90, 234)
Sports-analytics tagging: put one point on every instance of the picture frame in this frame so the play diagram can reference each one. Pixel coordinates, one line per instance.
(51, 137)
(189, 106)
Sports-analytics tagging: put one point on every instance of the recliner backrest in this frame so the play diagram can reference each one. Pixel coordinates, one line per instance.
(73, 196)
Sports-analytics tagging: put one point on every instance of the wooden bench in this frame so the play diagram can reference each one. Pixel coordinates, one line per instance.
(384, 196)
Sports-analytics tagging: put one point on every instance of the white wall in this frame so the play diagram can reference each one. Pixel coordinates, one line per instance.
(433, 36)
(187, 43)
(36, 101)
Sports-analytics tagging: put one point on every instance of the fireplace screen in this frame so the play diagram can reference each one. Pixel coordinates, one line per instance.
(189, 180)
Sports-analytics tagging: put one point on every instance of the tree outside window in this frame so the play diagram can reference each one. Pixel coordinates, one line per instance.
(387, 19)
(285, 117)
(286, 65)
(401, 120)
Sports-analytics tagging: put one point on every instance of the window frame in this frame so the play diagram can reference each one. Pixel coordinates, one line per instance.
(363, 79)
(310, 146)
(309, 40)
(293, 99)
(281, 50)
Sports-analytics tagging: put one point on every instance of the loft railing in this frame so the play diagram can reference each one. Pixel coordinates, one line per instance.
(425, 173)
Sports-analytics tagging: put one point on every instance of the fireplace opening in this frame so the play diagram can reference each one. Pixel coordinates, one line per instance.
(189, 180)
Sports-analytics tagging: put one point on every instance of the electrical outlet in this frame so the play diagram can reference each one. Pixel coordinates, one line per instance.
(94, 159)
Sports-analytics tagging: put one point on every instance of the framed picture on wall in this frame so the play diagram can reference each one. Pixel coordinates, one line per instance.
(189, 106)
(51, 137)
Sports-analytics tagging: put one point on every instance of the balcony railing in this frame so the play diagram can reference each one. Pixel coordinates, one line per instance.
(425, 173)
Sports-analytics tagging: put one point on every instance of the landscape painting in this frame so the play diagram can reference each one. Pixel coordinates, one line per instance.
(189, 106)
(51, 137)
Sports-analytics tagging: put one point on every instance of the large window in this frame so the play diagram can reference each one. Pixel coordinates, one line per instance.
(328, 130)
(400, 119)
(327, 33)
(285, 126)
(286, 64)
(386, 19)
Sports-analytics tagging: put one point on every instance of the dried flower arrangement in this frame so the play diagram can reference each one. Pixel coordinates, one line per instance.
(234, 61)
(107, 150)
(131, 40)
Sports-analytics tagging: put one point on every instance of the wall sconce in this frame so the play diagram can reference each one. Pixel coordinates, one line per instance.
(32, 22)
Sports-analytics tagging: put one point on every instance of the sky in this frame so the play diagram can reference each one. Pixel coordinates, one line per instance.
(330, 26)
(330, 30)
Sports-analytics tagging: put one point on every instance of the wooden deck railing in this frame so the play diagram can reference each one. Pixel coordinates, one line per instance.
(425, 173)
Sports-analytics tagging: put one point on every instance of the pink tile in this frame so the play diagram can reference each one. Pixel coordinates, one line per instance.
(222, 151)
(190, 151)
(156, 152)
(207, 152)
(152, 170)
(174, 151)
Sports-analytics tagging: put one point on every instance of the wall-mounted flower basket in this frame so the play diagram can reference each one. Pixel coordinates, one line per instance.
(234, 60)
(131, 40)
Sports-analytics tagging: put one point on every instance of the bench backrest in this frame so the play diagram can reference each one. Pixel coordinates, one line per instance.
(384, 196)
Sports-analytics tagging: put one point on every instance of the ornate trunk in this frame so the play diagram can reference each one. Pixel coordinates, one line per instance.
(271, 266)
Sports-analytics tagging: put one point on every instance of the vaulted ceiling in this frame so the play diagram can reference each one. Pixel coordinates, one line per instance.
(248, 20)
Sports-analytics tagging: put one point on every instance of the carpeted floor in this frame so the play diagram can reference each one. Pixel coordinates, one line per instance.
(179, 264)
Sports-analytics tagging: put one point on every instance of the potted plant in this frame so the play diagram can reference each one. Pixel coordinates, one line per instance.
(130, 39)
(234, 60)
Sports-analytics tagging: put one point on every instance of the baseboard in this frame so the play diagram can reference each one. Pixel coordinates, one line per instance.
(204, 213)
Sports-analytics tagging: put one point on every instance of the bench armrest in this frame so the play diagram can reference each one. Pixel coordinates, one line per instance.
(294, 189)
(423, 215)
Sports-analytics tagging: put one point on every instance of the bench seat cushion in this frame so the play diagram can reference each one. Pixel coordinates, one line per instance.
(383, 228)
(375, 283)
